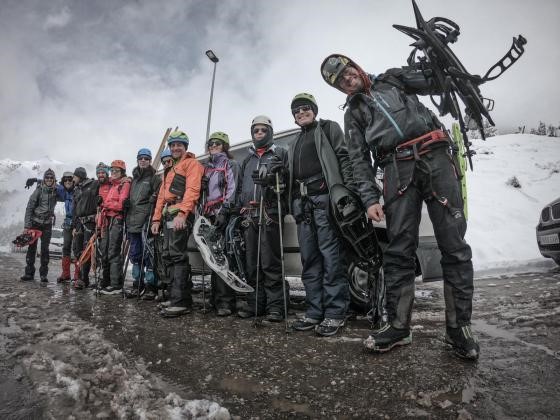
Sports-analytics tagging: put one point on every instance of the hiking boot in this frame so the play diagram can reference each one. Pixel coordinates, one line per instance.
(174, 311)
(274, 317)
(80, 284)
(329, 326)
(133, 293)
(110, 290)
(44, 280)
(149, 295)
(387, 337)
(242, 313)
(463, 342)
(26, 277)
(62, 279)
(305, 324)
(164, 304)
(223, 312)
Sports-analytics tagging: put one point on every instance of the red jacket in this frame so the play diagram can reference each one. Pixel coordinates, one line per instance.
(113, 203)
(193, 171)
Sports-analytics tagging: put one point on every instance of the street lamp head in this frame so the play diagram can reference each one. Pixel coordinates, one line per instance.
(210, 54)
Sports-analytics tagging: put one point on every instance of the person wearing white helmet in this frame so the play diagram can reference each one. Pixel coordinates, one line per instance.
(257, 180)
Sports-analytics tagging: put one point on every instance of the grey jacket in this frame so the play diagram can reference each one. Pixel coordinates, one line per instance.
(143, 193)
(40, 207)
(390, 115)
(333, 156)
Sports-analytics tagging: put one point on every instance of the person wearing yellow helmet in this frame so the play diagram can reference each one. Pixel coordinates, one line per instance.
(385, 119)
(318, 159)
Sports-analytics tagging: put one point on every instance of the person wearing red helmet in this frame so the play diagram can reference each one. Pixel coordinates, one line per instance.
(111, 225)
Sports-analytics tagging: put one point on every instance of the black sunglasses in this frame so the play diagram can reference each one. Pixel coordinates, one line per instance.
(214, 143)
(260, 130)
(144, 158)
(166, 161)
(67, 179)
(49, 177)
(303, 108)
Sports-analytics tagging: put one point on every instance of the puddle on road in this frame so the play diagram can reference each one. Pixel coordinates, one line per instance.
(494, 331)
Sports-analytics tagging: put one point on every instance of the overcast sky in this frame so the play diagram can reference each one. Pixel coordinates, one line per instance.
(96, 80)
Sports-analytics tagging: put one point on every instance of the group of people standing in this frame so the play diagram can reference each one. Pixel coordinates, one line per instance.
(386, 127)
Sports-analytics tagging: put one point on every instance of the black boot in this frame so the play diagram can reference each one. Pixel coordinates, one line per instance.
(463, 342)
(26, 277)
(386, 338)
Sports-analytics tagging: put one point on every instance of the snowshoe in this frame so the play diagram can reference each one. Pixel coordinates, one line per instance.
(210, 244)
(27, 238)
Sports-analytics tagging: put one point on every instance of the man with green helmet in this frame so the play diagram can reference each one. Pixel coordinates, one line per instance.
(385, 118)
(174, 213)
(318, 159)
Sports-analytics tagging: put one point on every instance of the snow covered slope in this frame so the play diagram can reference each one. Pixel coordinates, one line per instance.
(502, 218)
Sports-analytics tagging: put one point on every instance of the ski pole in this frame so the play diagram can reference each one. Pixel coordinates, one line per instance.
(258, 257)
(278, 198)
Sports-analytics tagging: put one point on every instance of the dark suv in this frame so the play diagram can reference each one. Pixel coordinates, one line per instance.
(548, 231)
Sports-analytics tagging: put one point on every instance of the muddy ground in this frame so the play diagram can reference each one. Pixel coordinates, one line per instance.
(70, 354)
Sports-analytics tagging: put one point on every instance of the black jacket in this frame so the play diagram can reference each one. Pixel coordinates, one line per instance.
(85, 199)
(40, 207)
(332, 153)
(390, 115)
(246, 190)
(143, 194)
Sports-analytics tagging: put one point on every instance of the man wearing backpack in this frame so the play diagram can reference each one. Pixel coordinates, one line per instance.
(318, 159)
(384, 117)
(174, 213)
(143, 192)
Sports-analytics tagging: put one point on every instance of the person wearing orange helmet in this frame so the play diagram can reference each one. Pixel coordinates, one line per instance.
(111, 225)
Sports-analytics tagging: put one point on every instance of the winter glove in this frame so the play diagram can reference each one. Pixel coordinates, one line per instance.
(204, 183)
(126, 204)
(222, 218)
(29, 183)
(99, 200)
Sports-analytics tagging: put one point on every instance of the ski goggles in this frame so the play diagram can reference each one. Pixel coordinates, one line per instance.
(260, 130)
(302, 108)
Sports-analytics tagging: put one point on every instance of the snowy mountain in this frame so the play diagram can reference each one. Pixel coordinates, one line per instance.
(514, 177)
(13, 175)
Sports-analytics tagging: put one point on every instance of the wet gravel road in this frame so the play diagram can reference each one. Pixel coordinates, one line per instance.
(264, 372)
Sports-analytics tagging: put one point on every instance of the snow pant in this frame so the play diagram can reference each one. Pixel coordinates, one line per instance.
(141, 267)
(111, 247)
(162, 272)
(67, 240)
(32, 252)
(322, 257)
(176, 259)
(270, 296)
(223, 296)
(433, 179)
(84, 232)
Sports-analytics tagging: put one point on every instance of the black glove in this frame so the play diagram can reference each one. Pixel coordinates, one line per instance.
(204, 183)
(99, 200)
(126, 204)
(29, 183)
(222, 218)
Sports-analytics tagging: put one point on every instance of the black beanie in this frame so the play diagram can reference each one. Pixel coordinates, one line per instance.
(304, 101)
(80, 173)
(49, 172)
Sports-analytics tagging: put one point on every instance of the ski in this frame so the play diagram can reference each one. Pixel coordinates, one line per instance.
(209, 242)
(461, 154)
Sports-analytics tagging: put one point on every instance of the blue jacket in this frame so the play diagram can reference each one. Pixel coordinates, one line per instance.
(63, 194)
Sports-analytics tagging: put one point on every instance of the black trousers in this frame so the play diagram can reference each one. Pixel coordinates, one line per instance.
(111, 247)
(270, 297)
(67, 240)
(434, 181)
(176, 259)
(32, 252)
(84, 232)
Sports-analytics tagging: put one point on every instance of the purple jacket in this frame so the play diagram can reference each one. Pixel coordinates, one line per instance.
(222, 175)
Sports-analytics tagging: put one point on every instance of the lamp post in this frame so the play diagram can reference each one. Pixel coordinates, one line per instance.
(214, 59)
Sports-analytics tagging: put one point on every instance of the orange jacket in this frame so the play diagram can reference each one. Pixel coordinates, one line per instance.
(193, 171)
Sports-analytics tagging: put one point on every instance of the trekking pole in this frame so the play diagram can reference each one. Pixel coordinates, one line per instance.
(125, 248)
(255, 322)
(144, 237)
(282, 250)
(200, 211)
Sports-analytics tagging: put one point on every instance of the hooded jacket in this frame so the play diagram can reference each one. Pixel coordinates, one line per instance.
(40, 207)
(246, 191)
(113, 204)
(143, 194)
(386, 116)
(222, 174)
(67, 196)
(332, 152)
(189, 170)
